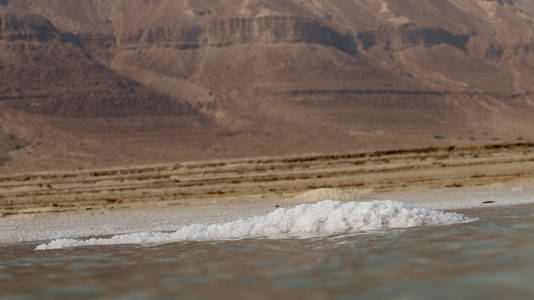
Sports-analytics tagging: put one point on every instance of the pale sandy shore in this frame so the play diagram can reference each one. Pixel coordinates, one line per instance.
(101, 222)
(267, 179)
(166, 197)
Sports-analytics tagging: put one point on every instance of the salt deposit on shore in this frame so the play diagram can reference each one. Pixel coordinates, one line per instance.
(79, 225)
(306, 220)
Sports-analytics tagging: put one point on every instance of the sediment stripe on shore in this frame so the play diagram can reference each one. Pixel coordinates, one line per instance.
(234, 180)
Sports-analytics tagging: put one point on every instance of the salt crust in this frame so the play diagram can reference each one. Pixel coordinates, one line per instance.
(325, 218)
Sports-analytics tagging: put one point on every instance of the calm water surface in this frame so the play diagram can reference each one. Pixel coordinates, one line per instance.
(489, 259)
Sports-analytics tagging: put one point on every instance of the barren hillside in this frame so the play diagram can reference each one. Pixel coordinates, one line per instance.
(122, 82)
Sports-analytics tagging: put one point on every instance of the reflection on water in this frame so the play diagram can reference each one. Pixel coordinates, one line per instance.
(492, 258)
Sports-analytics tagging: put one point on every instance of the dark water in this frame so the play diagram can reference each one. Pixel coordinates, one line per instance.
(489, 259)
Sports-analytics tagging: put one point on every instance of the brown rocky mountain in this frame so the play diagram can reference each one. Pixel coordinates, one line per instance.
(92, 83)
(48, 72)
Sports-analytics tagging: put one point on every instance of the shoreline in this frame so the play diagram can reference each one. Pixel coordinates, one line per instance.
(106, 222)
(363, 174)
(52, 205)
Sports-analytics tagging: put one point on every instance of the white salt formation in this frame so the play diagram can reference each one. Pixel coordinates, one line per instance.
(307, 220)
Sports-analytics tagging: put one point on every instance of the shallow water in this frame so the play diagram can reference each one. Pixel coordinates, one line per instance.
(492, 259)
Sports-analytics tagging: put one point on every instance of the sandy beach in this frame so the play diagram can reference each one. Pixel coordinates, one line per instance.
(102, 222)
(167, 197)
(264, 180)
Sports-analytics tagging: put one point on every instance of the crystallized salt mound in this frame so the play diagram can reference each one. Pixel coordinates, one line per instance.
(307, 220)
(326, 194)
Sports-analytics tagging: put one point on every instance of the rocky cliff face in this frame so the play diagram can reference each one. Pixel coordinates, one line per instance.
(16, 25)
(229, 32)
(409, 35)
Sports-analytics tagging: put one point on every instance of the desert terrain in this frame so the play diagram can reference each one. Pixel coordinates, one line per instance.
(93, 84)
